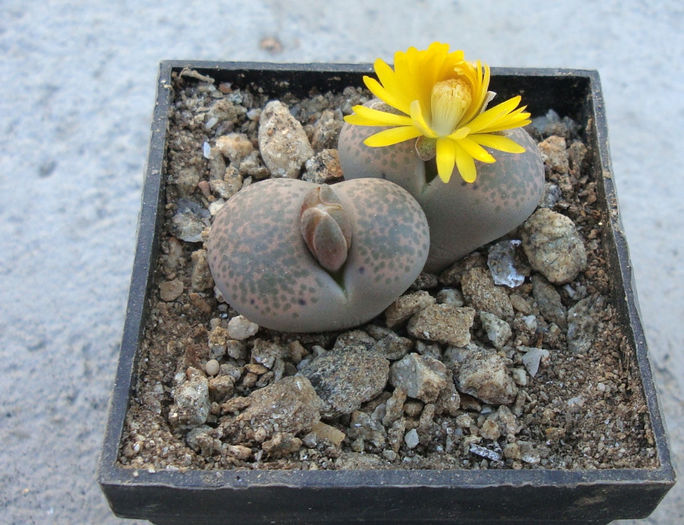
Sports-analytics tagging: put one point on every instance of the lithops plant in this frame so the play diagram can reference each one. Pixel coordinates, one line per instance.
(296, 256)
(429, 130)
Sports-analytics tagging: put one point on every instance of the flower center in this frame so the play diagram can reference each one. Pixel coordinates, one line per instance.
(449, 101)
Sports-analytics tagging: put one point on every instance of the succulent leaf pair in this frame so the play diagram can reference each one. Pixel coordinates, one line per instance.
(301, 257)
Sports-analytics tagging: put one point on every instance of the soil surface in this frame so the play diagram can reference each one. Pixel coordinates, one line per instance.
(549, 380)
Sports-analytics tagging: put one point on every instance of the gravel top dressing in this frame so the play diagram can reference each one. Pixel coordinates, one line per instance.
(512, 358)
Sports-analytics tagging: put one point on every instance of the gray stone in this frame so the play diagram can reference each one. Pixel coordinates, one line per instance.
(411, 439)
(186, 180)
(449, 401)
(266, 352)
(200, 278)
(393, 347)
(504, 264)
(451, 296)
(354, 339)
(394, 407)
(443, 323)
(484, 375)
(532, 358)
(498, 331)
(553, 246)
(421, 377)
(190, 220)
(324, 167)
(211, 367)
(346, 379)
(191, 402)
(365, 427)
(236, 349)
(552, 195)
(283, 143)
(407, 305)
(425, 281)
(548, 301)
(482, 294)
(203, 439)
(429, 349)
(582, 323)
(484, 452)
(326, 130)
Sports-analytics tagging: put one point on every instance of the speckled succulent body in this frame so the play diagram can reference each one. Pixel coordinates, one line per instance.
(261, 263)
(462, 216)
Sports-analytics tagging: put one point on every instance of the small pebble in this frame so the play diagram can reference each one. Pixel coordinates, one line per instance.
(553, 246)
(212, 367)
(411, 439)
(241, 328)
(170, 290)
(532, 358)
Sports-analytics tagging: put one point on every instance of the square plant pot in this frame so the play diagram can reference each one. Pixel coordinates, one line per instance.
(382, 496)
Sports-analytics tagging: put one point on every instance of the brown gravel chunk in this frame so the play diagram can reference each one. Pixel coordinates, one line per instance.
(200, 278)
(484, 375)
(170, 290)
(407, 305)
(554, 153)
(328, 433)
(421, 377)
(234, 146)
(480, 292)
(443, 323)
(289, 405)
(283, 143)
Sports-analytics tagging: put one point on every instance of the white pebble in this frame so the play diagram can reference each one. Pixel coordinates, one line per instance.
(240, 328)
(411, 438)
(212, 367)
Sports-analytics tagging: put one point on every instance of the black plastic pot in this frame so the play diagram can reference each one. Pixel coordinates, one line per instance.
(391, 497)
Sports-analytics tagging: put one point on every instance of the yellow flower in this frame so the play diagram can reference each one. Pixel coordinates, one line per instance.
(441, 98)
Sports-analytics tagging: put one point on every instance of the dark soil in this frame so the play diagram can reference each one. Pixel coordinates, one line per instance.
(582, 410)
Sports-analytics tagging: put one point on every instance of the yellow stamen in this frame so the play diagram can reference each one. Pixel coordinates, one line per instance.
(450, 100)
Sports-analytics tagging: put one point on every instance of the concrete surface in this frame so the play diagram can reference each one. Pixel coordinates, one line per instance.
(76, 97)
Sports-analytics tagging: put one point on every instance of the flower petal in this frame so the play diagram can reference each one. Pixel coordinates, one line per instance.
(465, 165)
(446, 158)
(375, 117)
(391, 136)
(384, 95)
(418, 118)
(385, 74)
(498, 142)
(476, 151)
(493, 117)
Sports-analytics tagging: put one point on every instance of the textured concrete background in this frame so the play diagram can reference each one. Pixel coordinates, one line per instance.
(76, 98)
